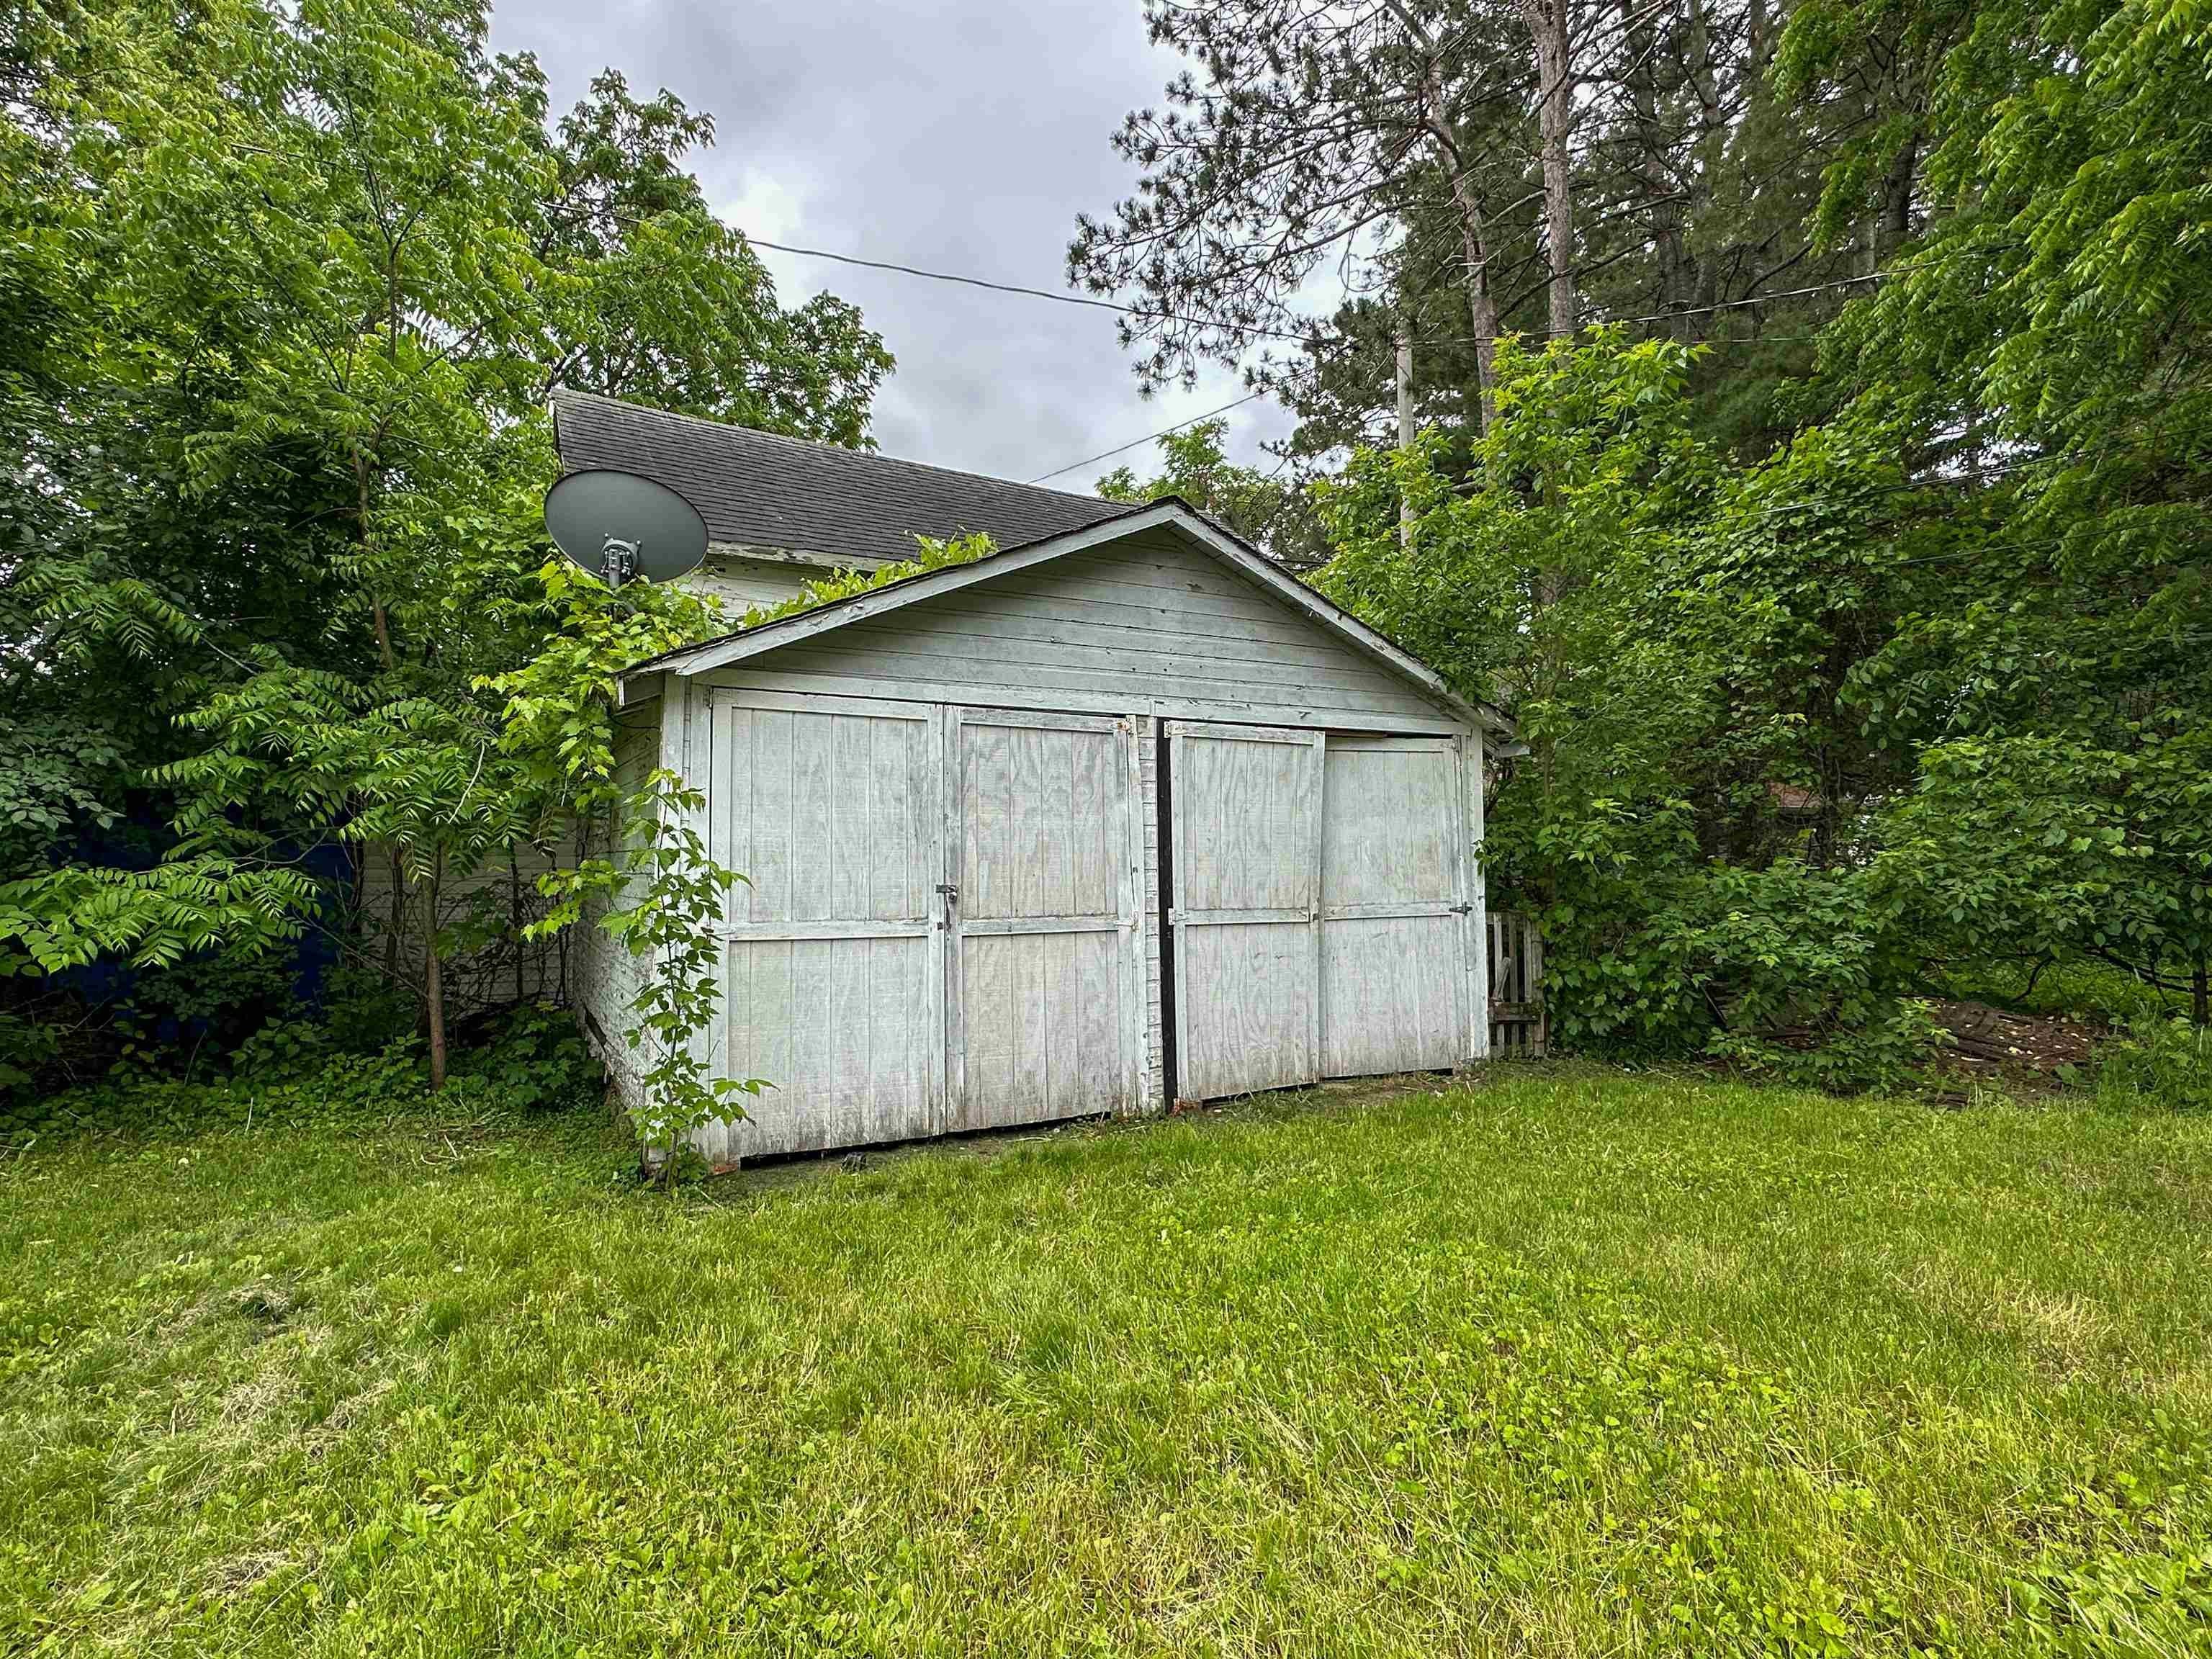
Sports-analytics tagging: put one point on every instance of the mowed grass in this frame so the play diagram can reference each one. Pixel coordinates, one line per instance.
(1559, 1363)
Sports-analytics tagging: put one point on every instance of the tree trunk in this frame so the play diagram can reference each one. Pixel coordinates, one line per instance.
(1481, 305)
(1896, 221)
(515, 919)
(1667, 216)
(434, 990)
(1466, 200)
(396, 919)
(2200, 995)
(1709, 158)
(1405, 431)
(1548, 22)
(367, 541)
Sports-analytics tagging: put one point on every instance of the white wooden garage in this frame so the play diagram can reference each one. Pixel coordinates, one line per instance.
(1123, 814)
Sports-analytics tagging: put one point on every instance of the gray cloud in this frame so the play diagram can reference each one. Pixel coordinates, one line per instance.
(963, 137)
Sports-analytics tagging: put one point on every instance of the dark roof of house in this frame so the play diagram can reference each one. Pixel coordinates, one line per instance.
(755, 489)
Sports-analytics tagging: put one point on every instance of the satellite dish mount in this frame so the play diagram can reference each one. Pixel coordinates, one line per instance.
(618, 562)
(625, 528)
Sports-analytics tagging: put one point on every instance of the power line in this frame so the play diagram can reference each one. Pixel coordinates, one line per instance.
(1258, 331)
(1308, 340)
(1016, 288)
(1151, 437)
(1107, 455)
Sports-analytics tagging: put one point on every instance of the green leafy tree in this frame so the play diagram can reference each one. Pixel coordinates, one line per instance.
(1273, 514)
(291, 283)
(1675, 636)
(2045, 349)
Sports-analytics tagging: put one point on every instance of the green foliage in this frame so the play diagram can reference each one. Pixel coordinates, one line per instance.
(2037, 845)
(285, 287)
(27, 1047)
(2095, 992)
(1672, 637)
(54, 780)
(1270, 513)
(642, 870)
(151, 918)
(934, 555)
(1925, 687)
(672, 905)
(300, 1076)
(2165, 1060)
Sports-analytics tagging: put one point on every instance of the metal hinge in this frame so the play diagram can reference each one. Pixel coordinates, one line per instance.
(1463, 909)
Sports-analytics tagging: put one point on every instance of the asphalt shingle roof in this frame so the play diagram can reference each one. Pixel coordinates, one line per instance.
(755, 489)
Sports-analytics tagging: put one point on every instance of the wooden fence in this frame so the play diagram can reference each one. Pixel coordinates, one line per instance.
(1518, 1026)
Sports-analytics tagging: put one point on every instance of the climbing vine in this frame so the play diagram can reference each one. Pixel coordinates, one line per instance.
(665, 896)
(934, 555)
(643, 873)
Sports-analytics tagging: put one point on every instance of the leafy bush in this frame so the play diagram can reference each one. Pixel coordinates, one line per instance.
(529, 1060)
(533, 1060)
(2169, 1059)
(27, 1046)
(1789, 972)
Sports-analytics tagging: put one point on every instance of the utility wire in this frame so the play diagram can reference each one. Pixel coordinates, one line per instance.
(1308, 340)
(1106, 455)
(1279, 333)
(1153, 437)
(1016, 288)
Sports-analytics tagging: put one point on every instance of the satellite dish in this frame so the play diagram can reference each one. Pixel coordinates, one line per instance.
(622, 527)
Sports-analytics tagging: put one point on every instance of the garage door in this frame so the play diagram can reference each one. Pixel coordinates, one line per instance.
(1320, 907)
(834, 988)
(1394, 961)
(1046, 986)
(1244, 908)
(940, 931)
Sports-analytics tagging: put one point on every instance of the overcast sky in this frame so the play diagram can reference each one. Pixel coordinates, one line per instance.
(963, 137)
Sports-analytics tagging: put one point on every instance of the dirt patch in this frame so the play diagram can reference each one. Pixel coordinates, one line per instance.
(270, 1303)
(1990, 1045)
(234, 1575)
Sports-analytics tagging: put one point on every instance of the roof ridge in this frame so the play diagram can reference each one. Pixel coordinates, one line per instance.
(841, 450)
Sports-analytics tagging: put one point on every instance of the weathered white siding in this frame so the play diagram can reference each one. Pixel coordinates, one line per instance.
(1246, 875)
(1150, 624)
(1002, 739)
(1148, 783)
(603, 978)
(741, 584)
(502, 894)
(1324, 891)
(1394, 968)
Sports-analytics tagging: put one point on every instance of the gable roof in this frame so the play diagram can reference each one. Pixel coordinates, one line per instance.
(843, 506)
(1169, 511)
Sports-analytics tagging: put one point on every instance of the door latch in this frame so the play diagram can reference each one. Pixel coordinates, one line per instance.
(948, 892)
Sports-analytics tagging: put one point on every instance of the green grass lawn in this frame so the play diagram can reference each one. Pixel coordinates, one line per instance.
(1562, 1363)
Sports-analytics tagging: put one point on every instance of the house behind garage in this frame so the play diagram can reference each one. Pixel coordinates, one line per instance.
(1121, 814)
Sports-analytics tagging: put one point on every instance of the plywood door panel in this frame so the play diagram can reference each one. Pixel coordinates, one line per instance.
(1393, 960)
(832, 987)
(1045, 983)
(1246, 806)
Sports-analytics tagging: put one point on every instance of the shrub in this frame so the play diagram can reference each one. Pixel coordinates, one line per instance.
(2169, 1059)
(524, 1060)
(1790, 972)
